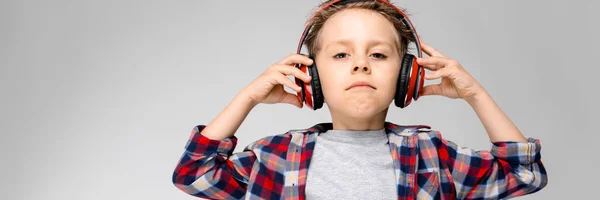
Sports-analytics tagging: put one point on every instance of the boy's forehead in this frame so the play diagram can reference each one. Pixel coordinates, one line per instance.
(357, 28)
(390, 40)
(375, 41)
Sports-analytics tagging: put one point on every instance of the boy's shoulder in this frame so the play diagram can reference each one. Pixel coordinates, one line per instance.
(277, 141)
(282, 139)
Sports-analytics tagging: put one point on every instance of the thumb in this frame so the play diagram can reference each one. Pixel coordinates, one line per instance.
(432, 76)
(291, 99)
(432, 90)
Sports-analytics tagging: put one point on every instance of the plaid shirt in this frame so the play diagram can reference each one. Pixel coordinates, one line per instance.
(426, 166)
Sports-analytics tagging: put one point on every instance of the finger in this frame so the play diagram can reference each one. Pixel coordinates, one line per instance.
(432, 90)
(283, 80)
(293, 59)
(433, 67)
(291, 99)
(288, 70)
(433, 63)
(431, 51)
(437, 74)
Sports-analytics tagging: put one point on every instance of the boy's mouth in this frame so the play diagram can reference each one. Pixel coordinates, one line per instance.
(361, 84)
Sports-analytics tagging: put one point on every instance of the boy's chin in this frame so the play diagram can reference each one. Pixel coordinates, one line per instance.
(363, 112)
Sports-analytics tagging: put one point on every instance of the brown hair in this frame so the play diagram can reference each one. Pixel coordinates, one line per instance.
(389, 12)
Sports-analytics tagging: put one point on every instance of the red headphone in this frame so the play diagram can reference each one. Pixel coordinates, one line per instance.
(410, 81)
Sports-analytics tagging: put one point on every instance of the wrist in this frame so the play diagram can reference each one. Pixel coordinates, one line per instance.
(478, 97)
(244, 99)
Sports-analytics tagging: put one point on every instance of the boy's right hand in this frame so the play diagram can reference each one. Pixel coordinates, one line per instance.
(268, 87)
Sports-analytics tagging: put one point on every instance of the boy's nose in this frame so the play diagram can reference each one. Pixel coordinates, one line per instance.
(365, 69)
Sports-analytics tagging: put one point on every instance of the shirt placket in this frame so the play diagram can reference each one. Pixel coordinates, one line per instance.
(292, 173)
(404, 153)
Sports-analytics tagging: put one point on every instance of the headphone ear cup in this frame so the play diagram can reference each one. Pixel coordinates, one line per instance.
(403, 80)
(302, 93)
(420, 81)
(315, 83)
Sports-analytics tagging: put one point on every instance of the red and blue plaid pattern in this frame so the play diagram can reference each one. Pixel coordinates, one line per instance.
(426, 165)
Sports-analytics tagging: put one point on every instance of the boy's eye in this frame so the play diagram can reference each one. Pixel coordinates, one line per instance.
(376, 55)
(379, 56)
(340, 55)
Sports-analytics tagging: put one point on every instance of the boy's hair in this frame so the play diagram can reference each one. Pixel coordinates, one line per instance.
(404, 33)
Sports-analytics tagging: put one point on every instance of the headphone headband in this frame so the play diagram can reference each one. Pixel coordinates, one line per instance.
(400, 15)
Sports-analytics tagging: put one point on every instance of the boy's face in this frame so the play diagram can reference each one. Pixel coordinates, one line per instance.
(358, 45)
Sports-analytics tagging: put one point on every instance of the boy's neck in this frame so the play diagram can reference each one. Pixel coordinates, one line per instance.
(376, 122)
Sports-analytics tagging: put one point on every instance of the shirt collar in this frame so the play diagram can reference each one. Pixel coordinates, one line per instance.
(401, 130)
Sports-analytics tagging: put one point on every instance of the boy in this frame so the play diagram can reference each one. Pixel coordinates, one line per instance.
(358, 47)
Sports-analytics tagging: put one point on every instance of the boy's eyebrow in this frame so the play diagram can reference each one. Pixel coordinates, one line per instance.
(370, 43)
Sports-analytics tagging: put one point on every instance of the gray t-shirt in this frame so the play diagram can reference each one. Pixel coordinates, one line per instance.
(351, 165)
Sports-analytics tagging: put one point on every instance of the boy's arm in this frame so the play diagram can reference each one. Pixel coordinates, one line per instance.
(512, 168)
(230, 119)
(210, 169)
(497, 125)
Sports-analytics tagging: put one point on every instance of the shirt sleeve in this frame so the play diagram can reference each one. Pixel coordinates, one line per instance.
(509, 169)
(209, 168)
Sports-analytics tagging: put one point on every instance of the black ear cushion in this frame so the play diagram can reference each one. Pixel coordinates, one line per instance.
(403, 80)
(315, 85)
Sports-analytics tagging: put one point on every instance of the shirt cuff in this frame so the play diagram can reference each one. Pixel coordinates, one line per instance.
(200, 144)
(518, 152)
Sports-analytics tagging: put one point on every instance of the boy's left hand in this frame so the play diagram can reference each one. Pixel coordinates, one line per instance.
(456, 81)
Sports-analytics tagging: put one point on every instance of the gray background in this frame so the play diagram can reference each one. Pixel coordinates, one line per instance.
(98, 98)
